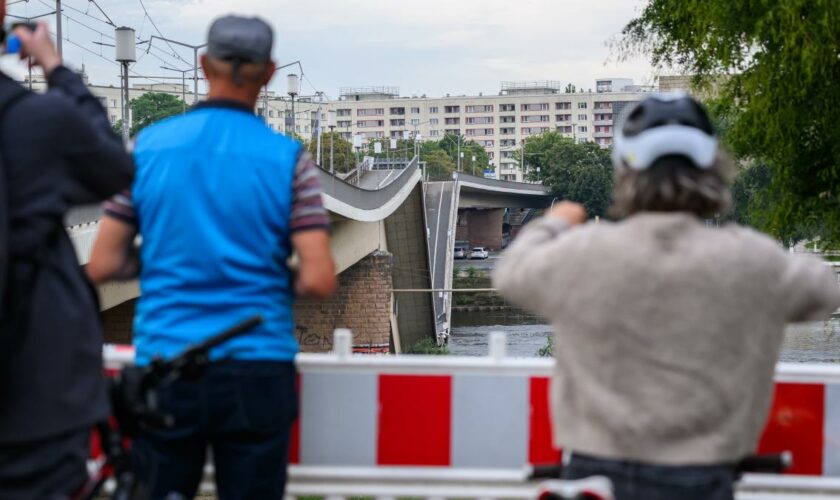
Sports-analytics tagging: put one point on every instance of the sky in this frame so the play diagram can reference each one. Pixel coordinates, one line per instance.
(432, 47)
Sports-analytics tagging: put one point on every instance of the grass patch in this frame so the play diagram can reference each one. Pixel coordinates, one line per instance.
(428, 346)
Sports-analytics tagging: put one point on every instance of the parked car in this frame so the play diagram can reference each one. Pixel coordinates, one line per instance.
(460, 253)
(479, 253)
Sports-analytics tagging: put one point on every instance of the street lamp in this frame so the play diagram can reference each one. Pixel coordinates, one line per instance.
(126, 52)
(293, 89)
(331, 123)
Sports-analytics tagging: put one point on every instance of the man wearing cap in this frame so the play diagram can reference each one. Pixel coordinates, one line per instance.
(221, 203)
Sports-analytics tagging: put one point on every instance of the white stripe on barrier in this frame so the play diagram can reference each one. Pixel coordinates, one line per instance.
(338, 418)
(489, 420)
(831, 431)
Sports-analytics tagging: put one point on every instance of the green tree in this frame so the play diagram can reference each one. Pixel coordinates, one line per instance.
(438, 164)
(449, 144)
(780, 58)
(344, 158)
(150, 108)
(570, 89)
(577, 172)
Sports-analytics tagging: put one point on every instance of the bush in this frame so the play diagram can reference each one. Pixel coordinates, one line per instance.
(428, 346)
(547, 351)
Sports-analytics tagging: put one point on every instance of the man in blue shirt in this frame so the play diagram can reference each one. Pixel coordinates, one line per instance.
(221, 202)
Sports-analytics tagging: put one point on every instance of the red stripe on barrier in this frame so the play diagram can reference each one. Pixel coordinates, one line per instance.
(294, 439)
(415, 420)
(796, 424)
(541, 448)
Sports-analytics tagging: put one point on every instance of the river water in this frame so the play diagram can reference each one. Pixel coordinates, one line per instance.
(804, 343)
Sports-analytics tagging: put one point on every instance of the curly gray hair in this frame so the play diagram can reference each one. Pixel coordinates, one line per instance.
(673, 184)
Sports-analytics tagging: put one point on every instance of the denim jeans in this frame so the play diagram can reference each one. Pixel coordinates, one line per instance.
(243, 411)
(640, 481)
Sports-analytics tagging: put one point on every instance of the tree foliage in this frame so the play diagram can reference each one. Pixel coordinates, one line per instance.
(152, 107)
(344, 158)
(780, 66)
(580, 172)
(440, 156)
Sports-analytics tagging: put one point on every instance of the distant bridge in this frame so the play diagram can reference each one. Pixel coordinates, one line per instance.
(412, 221)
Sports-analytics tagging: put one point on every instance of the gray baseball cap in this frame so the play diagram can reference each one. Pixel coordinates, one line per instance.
(241, 39)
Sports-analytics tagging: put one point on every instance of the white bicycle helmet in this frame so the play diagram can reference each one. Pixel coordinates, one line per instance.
(664, 125)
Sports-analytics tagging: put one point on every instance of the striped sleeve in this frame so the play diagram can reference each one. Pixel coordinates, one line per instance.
(308, 210)
(121, 207)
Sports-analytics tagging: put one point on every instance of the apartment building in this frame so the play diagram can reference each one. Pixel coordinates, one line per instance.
(276, 110)
(500, 123)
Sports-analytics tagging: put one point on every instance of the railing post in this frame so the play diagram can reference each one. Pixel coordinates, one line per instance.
(498, 345)
(343, 343)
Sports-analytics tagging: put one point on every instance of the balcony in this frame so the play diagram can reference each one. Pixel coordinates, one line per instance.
(603, 122)
(602, 134)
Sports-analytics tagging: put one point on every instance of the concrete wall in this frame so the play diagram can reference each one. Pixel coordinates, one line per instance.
(361, 303)
(406, 234)
(482, 228)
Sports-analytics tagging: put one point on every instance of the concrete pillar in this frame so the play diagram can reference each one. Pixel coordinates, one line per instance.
(484, 227)
(362, 303)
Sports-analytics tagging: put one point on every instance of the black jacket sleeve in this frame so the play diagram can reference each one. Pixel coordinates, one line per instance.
(96, 157)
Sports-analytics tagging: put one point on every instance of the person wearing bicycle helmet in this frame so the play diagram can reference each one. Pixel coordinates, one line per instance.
(666, 330)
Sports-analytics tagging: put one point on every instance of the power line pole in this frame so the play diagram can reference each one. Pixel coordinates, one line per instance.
(195, 49)
(58, 42)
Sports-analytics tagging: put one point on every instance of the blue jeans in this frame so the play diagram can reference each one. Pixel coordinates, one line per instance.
(243, 411)
(640, 481)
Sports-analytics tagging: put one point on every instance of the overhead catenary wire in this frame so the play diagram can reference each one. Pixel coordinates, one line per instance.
(160, 34)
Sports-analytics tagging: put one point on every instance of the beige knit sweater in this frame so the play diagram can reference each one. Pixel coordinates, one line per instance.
(666, 331)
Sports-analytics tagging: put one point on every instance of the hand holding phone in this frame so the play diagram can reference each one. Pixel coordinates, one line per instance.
(38, 45)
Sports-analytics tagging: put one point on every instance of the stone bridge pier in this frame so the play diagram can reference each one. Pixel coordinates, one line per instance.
(481, 227)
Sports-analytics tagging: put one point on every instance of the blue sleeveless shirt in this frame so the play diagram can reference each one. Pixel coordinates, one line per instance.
(213, 198)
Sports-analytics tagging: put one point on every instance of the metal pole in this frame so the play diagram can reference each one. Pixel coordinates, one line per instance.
(459, 153)
(195, 74)
(332, 150)
(125, 101)
(30, 73)
(58, 42)
(293, 115)
(184, 92)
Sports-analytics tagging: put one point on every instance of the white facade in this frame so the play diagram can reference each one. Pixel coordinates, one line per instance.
(500, 122)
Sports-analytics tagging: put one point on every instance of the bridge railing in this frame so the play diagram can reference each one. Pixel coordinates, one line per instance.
(453, 426)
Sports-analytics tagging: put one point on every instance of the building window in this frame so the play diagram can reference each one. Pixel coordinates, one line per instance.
(507, 119)
(113, 119)
(397, 111)
(415, 121)
(582, 118)
(433, 121)
(479, 120)
(603, 105)
(433, 109)
(343, 112)
(370, 111)
(479, 131)
(344, 123)
(581, 140)
(347, 135)
(507, 107)
(452, 109)
(398, 123)
(453, 121)
(483, 108)
(566, 129)
(415, 111)
(113, 103)
(370, 123)
(455, 131)
(534, 107)
(507, 154)
(507, 131)
(581, 105)
(434, 133)
(563, 118)
(563, 105)
(582, 128)
(508, 142)
(271, 113)
(534, 130)
(535, 118)
(487, 144)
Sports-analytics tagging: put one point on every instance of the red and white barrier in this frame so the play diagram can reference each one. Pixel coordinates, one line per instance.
(484, 413)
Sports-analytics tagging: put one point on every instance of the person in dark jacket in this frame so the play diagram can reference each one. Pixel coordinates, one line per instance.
(58, 150)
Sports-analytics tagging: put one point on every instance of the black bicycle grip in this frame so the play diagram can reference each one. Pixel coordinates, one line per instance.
(774, 463)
